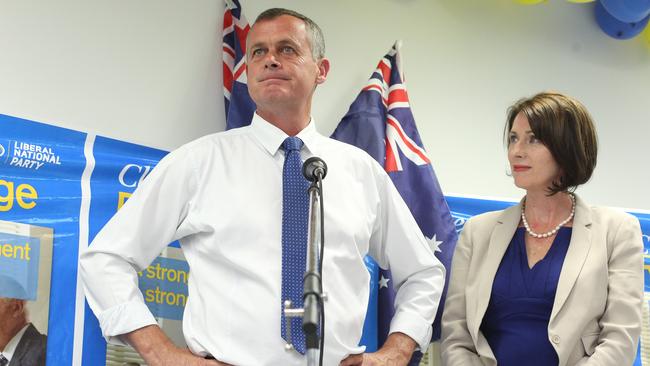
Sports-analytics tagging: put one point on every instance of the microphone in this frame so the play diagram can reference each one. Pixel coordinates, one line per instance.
(314, 168)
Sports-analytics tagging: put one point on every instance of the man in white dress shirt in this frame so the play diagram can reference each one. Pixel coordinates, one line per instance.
(221, 196)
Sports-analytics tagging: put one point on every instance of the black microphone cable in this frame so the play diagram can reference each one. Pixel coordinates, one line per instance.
(315, 169)
(320, 270)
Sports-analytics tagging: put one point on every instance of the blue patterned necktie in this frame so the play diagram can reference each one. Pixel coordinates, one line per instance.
(295, 209)
(3, 360)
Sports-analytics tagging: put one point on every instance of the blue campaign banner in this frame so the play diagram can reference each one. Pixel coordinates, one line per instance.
(463, 208)
(40, 170)
(19, 259)
(117, 169)
(164, 286)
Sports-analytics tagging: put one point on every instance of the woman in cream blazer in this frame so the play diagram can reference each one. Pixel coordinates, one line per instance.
(595, 315)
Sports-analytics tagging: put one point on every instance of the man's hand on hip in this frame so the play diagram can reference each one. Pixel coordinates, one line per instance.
(158, 350)
(396, 351)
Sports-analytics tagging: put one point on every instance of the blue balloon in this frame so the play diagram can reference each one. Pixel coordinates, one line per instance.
(628, 11)
(616, 28)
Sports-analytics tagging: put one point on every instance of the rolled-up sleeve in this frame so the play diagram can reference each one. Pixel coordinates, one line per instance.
(151, 219)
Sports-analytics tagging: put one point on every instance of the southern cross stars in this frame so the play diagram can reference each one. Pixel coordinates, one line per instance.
(383, 282)
(434, 243)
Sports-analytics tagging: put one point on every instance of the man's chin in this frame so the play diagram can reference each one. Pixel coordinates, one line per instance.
(275, 98)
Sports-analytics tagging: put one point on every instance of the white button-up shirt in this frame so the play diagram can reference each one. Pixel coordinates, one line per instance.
(221, 196)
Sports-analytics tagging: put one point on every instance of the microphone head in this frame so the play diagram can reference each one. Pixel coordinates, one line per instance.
(314, 168)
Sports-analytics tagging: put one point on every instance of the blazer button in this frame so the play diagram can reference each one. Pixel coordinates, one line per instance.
(555, 339)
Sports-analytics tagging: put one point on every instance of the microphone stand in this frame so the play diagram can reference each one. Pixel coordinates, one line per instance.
(313, 311)
(312, 290)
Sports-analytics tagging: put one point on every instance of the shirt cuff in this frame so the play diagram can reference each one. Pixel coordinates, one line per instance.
(124, 318)
(413, 326)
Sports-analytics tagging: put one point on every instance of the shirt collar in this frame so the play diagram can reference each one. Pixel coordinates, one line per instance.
(10, 348)
(272, 137)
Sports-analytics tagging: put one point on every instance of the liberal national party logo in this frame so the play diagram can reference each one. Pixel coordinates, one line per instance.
(4, 151)
(28, 155)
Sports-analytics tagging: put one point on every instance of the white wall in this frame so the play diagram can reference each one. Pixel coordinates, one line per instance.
(149, 71)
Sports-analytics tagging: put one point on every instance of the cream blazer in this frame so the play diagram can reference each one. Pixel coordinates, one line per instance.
(596, 316)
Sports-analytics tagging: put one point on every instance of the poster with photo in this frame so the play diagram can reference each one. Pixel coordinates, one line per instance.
(41, 168)
(25, 280)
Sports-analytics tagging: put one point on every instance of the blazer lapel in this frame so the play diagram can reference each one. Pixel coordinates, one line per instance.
(576, 255)
(500, 238)
(24, 349)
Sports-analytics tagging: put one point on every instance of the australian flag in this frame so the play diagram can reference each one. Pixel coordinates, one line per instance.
(380, 122)
(239, 105)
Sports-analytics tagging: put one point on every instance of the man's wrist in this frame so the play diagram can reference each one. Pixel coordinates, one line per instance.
(400, 344)
(150, 342)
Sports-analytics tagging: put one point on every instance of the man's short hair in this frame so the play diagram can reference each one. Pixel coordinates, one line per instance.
(316, 39)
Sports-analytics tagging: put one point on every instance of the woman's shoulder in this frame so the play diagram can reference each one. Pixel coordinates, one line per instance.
(610, 221)
(610, 215)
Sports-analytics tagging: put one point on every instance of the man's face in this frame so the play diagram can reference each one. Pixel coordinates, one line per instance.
(7, 308)
(280, 67)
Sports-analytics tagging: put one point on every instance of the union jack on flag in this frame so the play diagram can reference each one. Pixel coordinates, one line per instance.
(239, 105)
(380, 122)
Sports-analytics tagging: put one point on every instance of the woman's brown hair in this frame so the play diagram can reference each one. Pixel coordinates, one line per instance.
(565, 127)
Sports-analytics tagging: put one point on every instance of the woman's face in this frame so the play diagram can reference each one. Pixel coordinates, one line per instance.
(533, 166)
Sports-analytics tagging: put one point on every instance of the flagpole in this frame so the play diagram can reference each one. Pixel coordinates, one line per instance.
(398, 59)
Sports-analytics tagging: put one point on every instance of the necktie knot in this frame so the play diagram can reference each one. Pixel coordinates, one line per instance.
(292, 143)
(3, 360)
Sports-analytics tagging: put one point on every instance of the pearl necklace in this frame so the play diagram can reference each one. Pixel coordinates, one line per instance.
(555, 230)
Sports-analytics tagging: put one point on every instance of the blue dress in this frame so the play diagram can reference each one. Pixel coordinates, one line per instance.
(516, 320)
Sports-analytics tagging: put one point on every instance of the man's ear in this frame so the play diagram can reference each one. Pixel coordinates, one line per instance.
(323, 69)
(18, 305)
